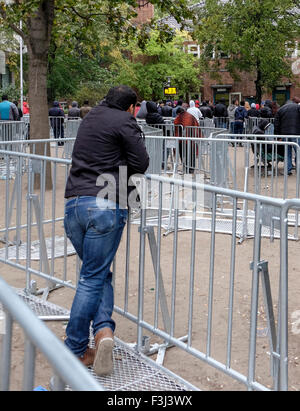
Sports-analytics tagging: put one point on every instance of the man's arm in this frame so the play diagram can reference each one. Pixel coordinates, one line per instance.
(134, 148)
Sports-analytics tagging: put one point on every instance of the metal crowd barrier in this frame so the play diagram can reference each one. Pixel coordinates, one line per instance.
(35, 243)
(252, 122)
(13, 130)
(200, 276)
(219, 161)
(67, 368)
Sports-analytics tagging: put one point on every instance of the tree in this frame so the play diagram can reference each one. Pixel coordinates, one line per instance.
(39, 17)
(147, 73)
(38, 20)
(255, 34)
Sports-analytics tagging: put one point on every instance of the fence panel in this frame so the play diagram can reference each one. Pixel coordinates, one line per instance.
(205, 327)
(35, 225)
(68, 369)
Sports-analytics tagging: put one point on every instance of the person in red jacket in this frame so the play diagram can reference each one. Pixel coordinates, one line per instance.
(186, 125)
(25, 108)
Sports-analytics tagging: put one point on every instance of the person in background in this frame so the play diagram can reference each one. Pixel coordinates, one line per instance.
(274, 108)
(137, 109)
(19, 110)
(179, 104)
(8, 110)
(166, 109)
(186, 123)
(74, 111)
(231, 110)
(57, 117)
(253, 112)
(247, 105)
(206, 110)
(287, 123)
(194, 111)
(266, 109)
(240, 115)
(25, 108)
(153, 117)
(221, 114)
(142, 113)
(85, 109)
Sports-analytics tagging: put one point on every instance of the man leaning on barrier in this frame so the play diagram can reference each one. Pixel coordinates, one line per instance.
(109, 140)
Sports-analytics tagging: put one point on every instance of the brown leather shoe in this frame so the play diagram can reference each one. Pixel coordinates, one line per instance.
(103, 363)
(88, 357)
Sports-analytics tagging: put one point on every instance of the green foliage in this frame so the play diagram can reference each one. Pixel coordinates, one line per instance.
(254, 33)
(83, 34)
(70, 73)
(148, 73)
(11, 91)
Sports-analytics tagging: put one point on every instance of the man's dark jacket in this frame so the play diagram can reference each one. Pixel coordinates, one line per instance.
(166, 111)
(253, 113)
(153, 116)
(220, 110)
(287, 120)
(206, 112)
(108, 138)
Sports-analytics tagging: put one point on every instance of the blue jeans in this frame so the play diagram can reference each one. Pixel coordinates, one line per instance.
(290, 153)
(238, 127)
(95, 227)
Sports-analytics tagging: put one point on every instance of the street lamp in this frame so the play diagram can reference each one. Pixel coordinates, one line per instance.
(21, 69)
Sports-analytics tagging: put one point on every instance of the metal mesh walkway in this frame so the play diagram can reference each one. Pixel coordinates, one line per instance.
(136, 372)
(44, 310)
(132, 371)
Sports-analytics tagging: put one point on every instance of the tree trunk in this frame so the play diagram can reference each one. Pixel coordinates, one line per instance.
(38, 43)
(258, 85)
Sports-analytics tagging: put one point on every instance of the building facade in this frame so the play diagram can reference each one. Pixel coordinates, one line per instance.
(226, 87)
(145, 12)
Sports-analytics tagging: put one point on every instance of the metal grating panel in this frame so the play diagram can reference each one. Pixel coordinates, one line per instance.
(133, 372)
(43, 309)
(223, 226)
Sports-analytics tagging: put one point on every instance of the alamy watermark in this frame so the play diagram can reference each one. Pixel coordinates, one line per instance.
(150, 192)
(296, 322)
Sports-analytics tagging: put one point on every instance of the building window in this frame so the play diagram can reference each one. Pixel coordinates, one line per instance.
(194, 49)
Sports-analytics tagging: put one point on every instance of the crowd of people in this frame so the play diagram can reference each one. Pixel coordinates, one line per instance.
(10, 111)
(285, 119)
(235, 113)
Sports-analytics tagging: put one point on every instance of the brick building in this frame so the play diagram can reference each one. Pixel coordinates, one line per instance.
(226, 86)
(145, 12)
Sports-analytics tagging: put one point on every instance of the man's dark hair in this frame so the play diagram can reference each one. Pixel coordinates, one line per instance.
(121, 97)
(4, 97)
(180, 110)
(242, 103)
(86, 102)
